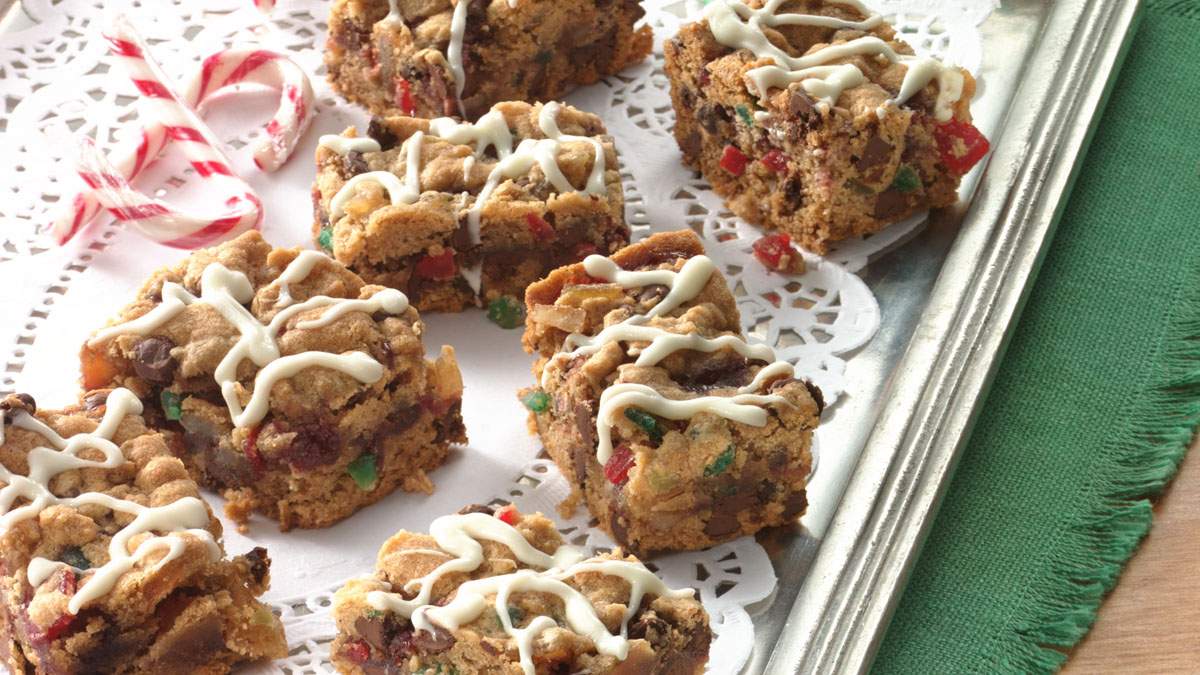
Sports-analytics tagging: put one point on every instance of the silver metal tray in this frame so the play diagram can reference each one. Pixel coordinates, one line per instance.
(949, 297)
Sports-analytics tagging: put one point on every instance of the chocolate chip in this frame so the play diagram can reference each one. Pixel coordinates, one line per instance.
(707, 117)
(890, 204)
(715, 373)
(433, 643)
(793, 191)
(260, 563)
(354, 163)
(800, 103)
(370, 630)
(722, 525)
(652, 294)
(477, 508)
(378, 130)
(95, 400)
(692, 146)
(795, 505)
(649, 626)
(152, 359)
(583, 422)
(620, 531)
(875, 152)
(687, 96)
(815, 392)
(14, 402)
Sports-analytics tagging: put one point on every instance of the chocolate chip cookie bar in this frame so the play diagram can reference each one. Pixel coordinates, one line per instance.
(810, 117)
(283, 381)
(676, 432)
(110, 561)
(433, 58)
(497, 591)
(458, 214)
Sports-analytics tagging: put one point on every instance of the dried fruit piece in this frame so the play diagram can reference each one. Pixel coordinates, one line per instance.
(721, 463)
(582, 250)
(661, 479)
(356, 651)
(325, 238)
(75, 558)
(97, 371)
(363, 470)
(776, 160)
(960, 144)
(616, 469)
(733, 160)
(744, 113)
(437, 267)
(776, 252)
(646, 422)
(544, 56)
(507, 514)
(506, 312)
(250, 450)
(541, 229)
(404, 97)
(906, 179)
(537, 401)
(172, 404)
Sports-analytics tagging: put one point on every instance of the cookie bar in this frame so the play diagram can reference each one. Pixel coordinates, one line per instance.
(110, 561)
(433, 58)
(677, 433)
(283, 380)
(812, 118)
(454, 214)
(499, 592)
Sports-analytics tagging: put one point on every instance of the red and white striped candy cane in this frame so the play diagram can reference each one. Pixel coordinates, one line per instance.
(219, 71)
(265, 6)
(259, 66)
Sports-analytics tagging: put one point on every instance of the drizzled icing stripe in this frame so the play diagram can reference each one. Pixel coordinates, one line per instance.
(342, 145)
(227, 291)
(735, 24)
(184, 516)
(460, 536)
(682, 286)
(491, 131)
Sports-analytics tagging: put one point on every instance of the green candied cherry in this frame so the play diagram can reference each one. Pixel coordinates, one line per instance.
(263, 617)
(646, 422)
(172, 404)
(906, 179)
(75, 558)
(858, 187)
(722, 463)
(506, 312)
(744, 113)
(544, 56)
(536, 400)
(515, 617)
(363, 470)
(325, 238)
(661, 479)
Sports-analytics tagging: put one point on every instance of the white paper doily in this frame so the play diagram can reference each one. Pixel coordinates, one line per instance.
(55, 70)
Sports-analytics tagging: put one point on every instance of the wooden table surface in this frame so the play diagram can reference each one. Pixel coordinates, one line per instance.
(1151, 621)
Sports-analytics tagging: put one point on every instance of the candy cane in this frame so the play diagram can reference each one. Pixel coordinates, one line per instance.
(265, 6)
(218, 72)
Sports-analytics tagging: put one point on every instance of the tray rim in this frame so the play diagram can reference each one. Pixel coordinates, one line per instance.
(854, 583)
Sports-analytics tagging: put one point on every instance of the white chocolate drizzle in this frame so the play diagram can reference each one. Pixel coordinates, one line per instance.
(460, 537)
(342, 145)
(184, 516)
(227, 292)
(744, 407)
(491, 131)
(458, 28)
(735, 24)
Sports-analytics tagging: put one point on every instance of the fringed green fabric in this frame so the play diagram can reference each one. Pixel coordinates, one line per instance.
(1095, 403)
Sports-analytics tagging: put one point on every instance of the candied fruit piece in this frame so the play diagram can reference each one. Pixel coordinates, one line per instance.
(776, 160)
(263, 617)
(733, 160)
(537, 401)
(646, 422)
(97, 371)
(722, 463)
(172, 404)
(250, 450)
(544, 56)
(906, 179)
(356, 651)
(582, 250)
(776, 252)
(325, 238)
(541, 229)
(507, 514)
(363, 470)
(858, 187)
(960, 144)
(661, 479)
(437, 267)
(616, 469)
(404, 97)
(506, 312)
(75, 558)
(744, 113)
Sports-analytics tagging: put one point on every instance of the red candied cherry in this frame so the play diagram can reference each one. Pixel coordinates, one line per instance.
(437, 267)
(582, 250)
(960, 144)
(507, 514)
(404, 97)
(356, 651)
(250, 450)
(541, 229)
(776, 252)
(776, 161)
(616, 469)
(733, 160)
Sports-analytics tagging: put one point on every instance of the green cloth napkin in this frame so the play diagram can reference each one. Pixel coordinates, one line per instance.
(1096, 399)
